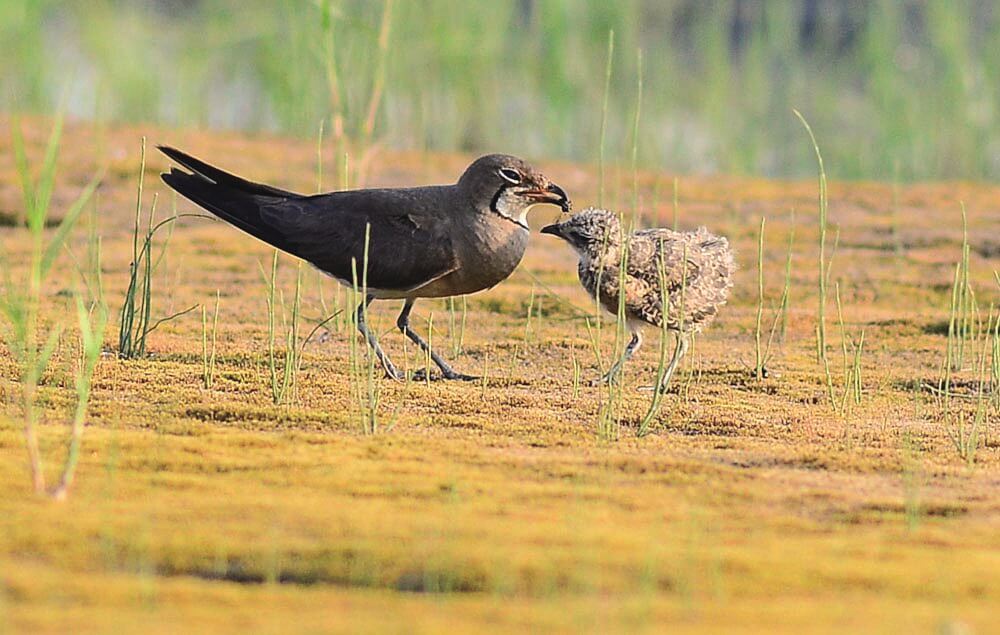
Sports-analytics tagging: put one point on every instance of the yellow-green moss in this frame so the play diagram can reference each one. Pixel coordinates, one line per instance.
(753, 507)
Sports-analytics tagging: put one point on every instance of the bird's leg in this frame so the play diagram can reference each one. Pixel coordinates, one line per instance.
(390, 368)
(680, 348)
(403, 322)
(616, 368)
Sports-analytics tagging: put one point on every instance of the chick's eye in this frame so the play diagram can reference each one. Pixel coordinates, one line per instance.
(510, 175)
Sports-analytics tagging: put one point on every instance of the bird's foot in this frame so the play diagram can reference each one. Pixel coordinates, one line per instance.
(422, 374)
(391, 372)
(395, 375)
(449, 375)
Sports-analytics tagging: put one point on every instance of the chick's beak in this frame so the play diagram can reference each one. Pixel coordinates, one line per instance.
(553, 229)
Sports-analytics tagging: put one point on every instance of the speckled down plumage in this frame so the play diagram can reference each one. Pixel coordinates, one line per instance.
(697, 270)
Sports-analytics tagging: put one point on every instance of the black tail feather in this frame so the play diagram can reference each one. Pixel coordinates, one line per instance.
(228, 199)
(221, 177)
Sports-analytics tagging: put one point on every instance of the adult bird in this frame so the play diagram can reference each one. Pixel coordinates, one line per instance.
(637, 272)
(416, 242)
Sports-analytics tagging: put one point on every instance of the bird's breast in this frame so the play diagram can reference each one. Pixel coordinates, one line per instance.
(487, 254)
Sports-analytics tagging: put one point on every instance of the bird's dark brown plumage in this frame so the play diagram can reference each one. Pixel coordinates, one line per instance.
(432, 241)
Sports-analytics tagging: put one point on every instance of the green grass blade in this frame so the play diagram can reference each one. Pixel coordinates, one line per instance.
(47, 177)
(45, 353)
(66, 225)
(23, 169)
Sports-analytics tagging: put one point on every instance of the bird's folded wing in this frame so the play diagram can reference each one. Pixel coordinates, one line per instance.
(407, 246)
(680, 258)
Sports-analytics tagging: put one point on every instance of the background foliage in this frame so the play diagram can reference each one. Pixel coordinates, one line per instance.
(898, 88)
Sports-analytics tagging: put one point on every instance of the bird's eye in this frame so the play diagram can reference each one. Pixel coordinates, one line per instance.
(510, 175)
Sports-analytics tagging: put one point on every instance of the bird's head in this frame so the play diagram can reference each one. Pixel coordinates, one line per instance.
(590, 232)
(508, 186)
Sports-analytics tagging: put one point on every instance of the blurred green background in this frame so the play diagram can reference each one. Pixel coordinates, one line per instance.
(895, 89)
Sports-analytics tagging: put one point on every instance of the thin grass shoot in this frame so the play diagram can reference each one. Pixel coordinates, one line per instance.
(208, 344)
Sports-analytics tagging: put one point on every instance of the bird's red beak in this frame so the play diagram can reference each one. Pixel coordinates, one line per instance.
(551, 194)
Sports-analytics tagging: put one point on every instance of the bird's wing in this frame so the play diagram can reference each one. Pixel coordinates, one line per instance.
(408, 244)
(680, 257)
(697, 271)
(408, 240)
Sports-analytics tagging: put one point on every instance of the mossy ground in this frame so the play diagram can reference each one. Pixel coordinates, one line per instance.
(752, 507)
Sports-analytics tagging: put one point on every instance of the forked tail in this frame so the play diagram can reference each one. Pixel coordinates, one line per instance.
(231, 198)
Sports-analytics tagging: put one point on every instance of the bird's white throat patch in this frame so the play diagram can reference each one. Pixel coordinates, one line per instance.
(506, 206)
